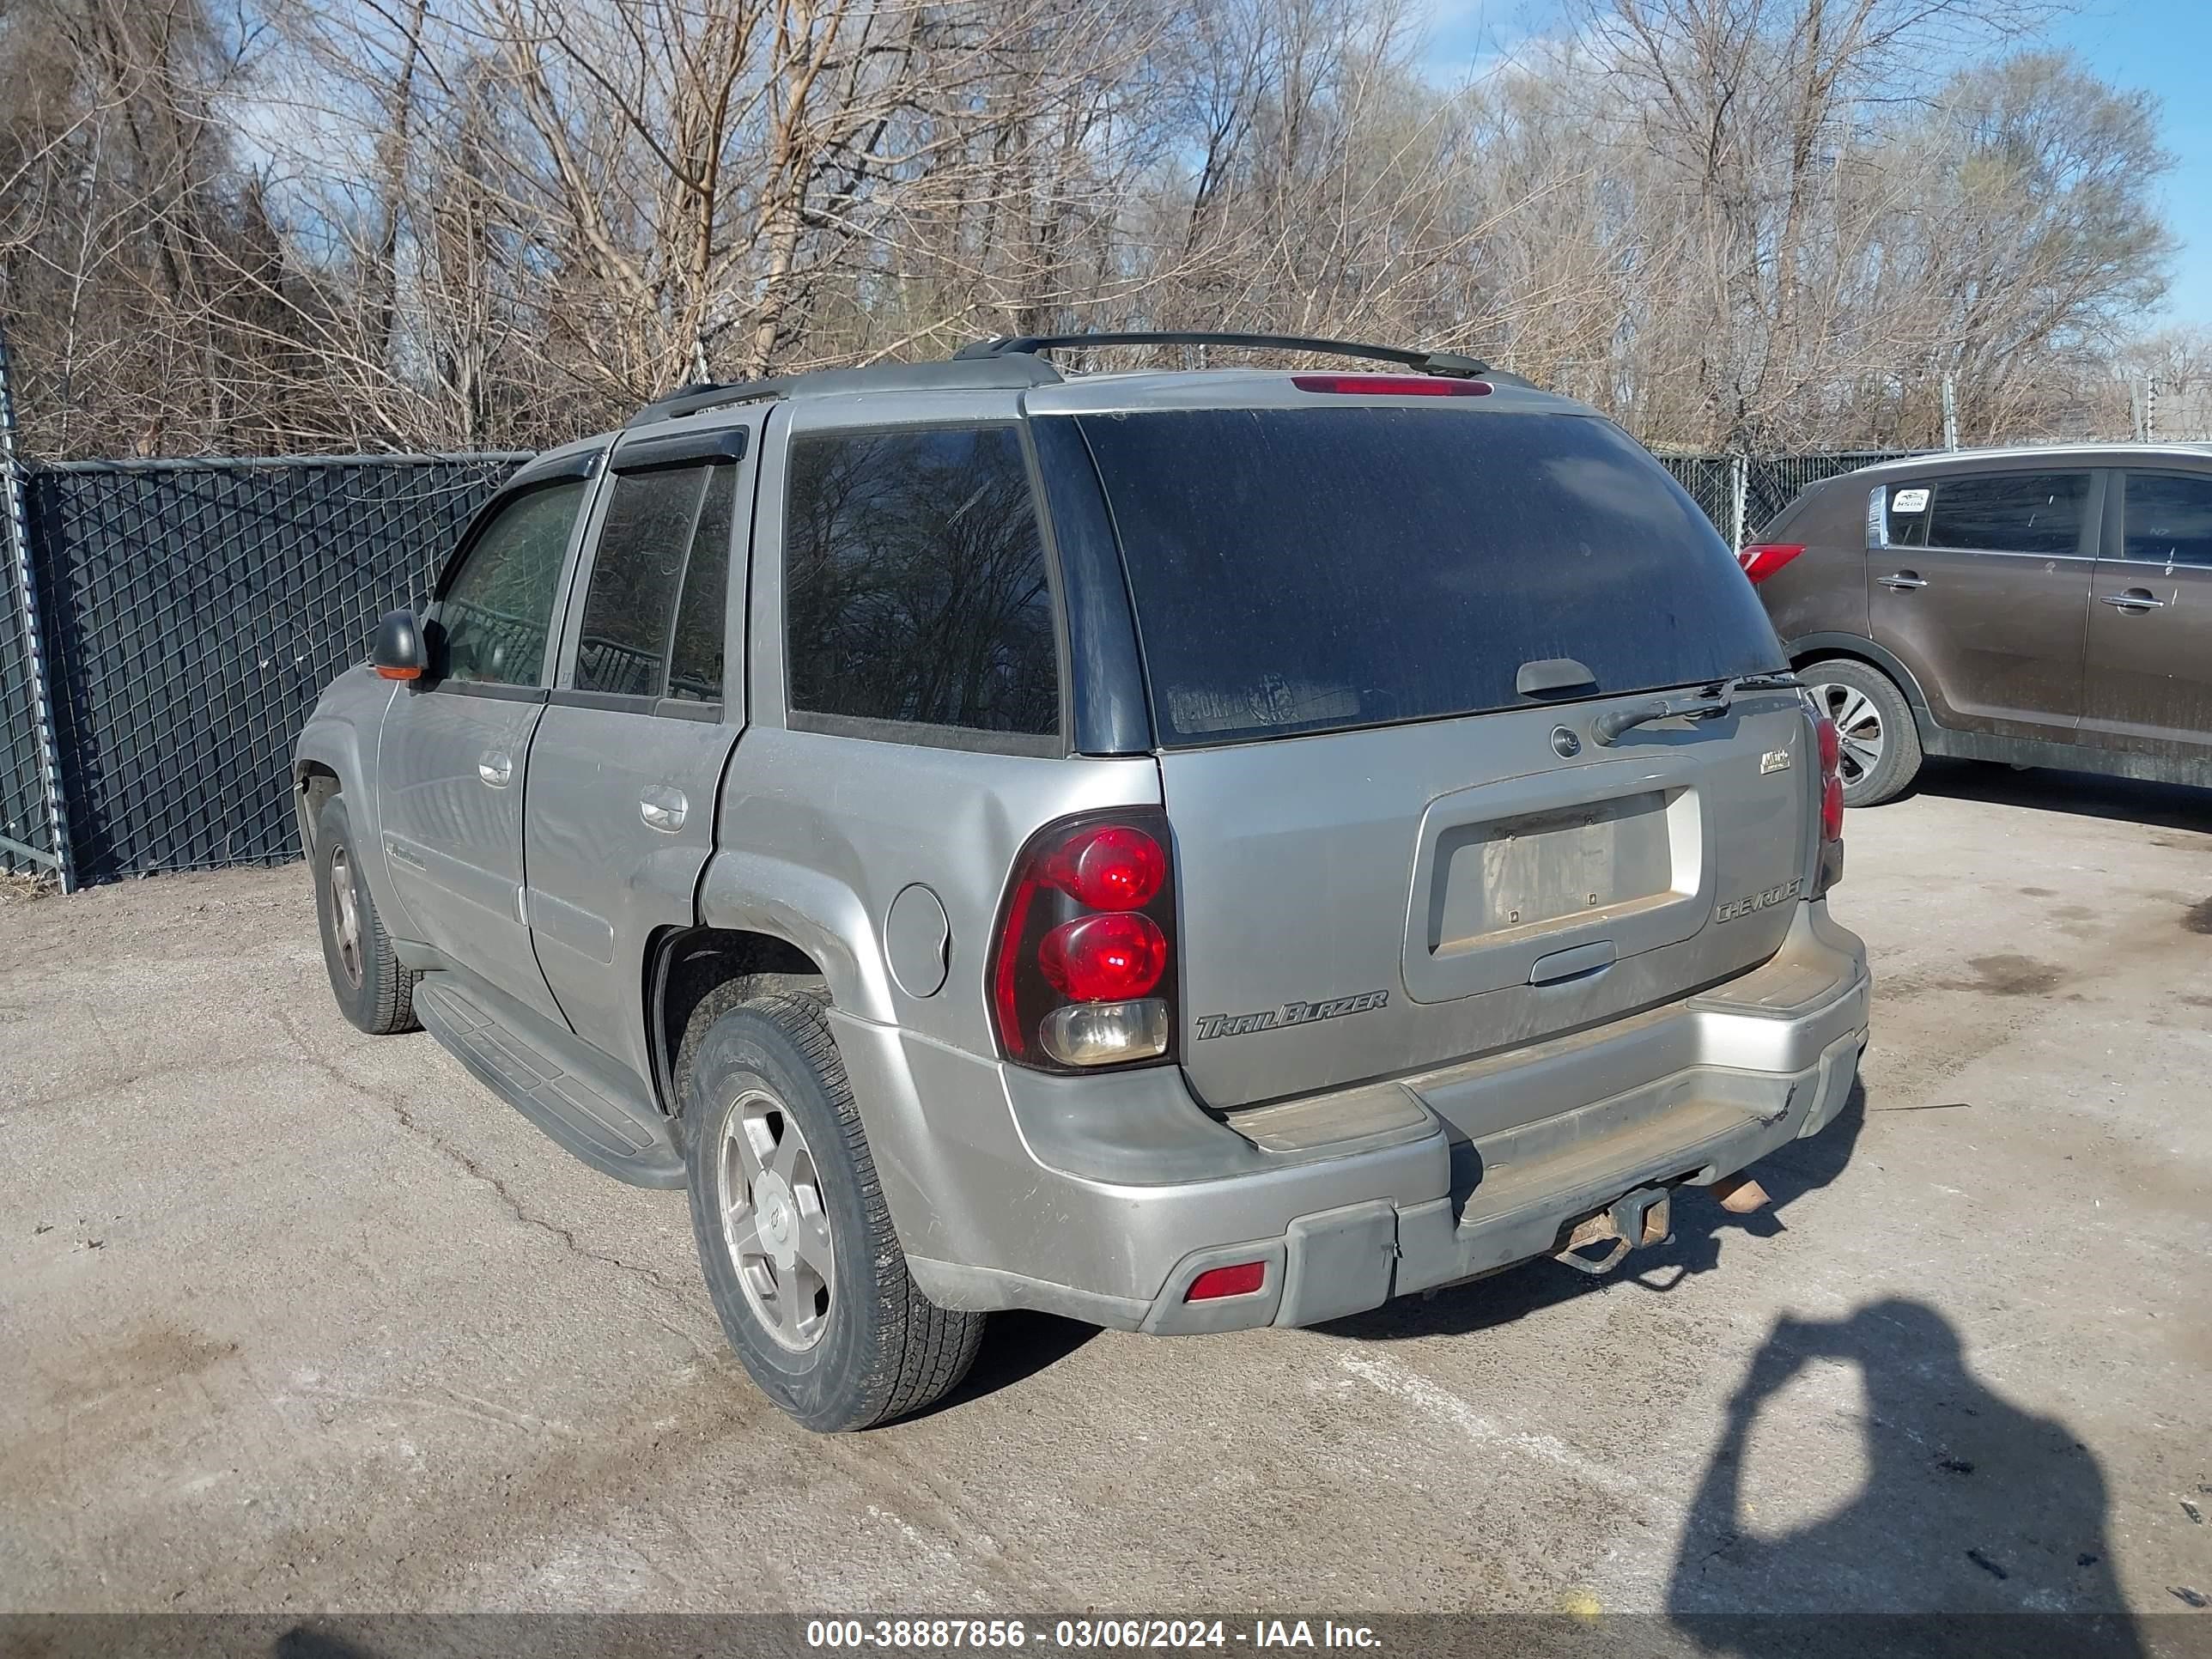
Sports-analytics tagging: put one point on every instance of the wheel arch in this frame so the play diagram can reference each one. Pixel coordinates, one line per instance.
(327, 762)
(1815, 647)
(684, 966)
(313, 784)
(336, 753)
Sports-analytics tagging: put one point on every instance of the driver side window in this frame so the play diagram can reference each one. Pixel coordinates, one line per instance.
(497, 611)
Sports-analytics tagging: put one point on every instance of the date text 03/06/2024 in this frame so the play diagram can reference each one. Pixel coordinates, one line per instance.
(1003, 1635)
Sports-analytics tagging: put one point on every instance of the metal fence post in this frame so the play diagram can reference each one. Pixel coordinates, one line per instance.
(1739, 494)
(27, 597)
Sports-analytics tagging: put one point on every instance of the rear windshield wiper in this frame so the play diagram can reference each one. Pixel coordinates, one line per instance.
(1705, 704)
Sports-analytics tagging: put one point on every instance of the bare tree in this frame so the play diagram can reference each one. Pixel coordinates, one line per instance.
(397, 223)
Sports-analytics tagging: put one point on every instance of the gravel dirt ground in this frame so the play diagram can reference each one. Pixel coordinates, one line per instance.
(295, 1319)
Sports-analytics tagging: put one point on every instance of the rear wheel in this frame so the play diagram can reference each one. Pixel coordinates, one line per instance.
(1881, 744)
(794, 1237)
(373, 990)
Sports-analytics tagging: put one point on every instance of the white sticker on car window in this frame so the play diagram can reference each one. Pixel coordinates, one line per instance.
(1909, 501)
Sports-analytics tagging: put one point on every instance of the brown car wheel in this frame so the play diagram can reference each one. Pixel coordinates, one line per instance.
(1881, 743)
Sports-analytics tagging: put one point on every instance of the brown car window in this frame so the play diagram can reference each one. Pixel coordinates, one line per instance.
(2169, 519)
(1908, 515)
(2010, 512)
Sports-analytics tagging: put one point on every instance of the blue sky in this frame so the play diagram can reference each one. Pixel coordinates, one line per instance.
(2163, 47)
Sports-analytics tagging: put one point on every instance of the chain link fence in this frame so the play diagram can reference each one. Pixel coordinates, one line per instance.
(1742, 493)
(1772, 482)
(192, 611)
(26, 819)
(30, 814)
(1710, 480)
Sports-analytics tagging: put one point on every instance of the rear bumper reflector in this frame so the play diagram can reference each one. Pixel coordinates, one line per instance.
(1242, 1280)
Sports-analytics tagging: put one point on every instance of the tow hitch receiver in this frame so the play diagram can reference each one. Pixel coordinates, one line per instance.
(1643, 1216)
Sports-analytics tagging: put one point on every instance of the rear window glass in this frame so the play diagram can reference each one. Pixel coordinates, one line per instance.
(1304, 570)
(2009, 512)
(2169, 519)
(666, 533)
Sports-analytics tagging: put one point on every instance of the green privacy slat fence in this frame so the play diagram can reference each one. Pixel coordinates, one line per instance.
(192, 611)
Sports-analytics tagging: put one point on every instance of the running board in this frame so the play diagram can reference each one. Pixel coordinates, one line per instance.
(631, 1142)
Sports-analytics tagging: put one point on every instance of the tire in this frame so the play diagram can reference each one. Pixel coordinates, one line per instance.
(794, 1237)
(373, 990)
(1881, 744)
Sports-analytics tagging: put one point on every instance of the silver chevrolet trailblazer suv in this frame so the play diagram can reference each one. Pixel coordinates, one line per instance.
(1182, 850)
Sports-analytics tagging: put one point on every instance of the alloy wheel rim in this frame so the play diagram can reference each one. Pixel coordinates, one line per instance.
(1858, 727)
(345, 915)
(774, 1223)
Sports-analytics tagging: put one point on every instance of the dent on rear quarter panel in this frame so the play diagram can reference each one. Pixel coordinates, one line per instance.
(820, 833)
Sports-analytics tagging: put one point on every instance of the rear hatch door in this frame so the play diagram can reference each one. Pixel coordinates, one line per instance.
(1389, 857)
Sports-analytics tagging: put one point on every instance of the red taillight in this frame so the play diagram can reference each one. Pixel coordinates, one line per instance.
(1082, 973)
(1242, 1280)
(1113, 867)
(1829, 743)
(1392, 385)
(1762, 559)
(1108, 958)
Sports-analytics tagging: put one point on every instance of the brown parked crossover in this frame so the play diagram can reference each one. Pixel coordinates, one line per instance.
(2044, 606)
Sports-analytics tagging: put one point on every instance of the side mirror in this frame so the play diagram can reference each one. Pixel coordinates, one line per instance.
(398, 652)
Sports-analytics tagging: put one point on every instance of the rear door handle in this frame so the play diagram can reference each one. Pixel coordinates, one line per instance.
(2136, 598)
(495, 769)
(663, 809)
(1903, 579)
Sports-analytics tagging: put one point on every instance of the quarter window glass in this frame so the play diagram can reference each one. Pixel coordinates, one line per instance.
(657, 525)
(2010, 512)
(915, 581)
(1908, 515)
(497, 610)
(2169, 519)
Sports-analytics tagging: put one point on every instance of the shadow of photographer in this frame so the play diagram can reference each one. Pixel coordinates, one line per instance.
(1971, 1506)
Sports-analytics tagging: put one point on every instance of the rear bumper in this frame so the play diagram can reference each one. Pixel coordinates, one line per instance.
(1103, 1199)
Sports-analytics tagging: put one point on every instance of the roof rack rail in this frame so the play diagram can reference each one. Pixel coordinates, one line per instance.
(1428, 363)
(690, 399)
(949, 374)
